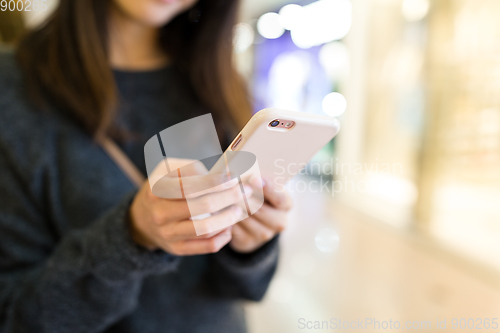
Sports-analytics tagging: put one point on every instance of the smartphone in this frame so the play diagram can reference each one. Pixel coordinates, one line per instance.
(284, 141)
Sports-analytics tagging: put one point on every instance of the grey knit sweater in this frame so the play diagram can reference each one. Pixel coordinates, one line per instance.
(67, 261)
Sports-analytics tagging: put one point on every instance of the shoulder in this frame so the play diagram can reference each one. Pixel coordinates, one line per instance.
(15, 106)
(17, 110)
(10, 74)
(26, 133)
(11, 85)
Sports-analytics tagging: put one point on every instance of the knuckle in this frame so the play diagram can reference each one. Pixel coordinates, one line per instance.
(288, 202)
(218, 242)
(281, 226)
(213, 246)
(267, 235)
(245, 241)
(281, 202)
(159, 214)
(167, 233)
(157, 217)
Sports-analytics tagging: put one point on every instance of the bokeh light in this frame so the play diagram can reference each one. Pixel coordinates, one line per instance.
(334, 57)
(334, 104)
(288, 77)
(327, 240)
(269, 26)
(322, 22)
(415, 10)
(243, 37)
(290, 15)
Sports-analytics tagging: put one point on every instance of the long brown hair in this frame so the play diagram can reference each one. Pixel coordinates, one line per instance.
(11, 26)
(65, 62)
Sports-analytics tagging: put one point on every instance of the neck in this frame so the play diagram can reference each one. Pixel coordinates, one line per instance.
(132, 45)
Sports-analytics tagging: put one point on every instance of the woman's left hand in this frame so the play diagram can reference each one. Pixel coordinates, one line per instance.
(271, 219)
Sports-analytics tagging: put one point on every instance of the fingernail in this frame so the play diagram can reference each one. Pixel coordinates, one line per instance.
(248, 190)
(257, 182)
(237, 210)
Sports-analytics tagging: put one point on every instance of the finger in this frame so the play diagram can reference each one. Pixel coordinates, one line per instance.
(238, 231)
(271, 217)
(214, 202)
(257, 230)
(202, 246)
(199, 185)
(277, 198)
(185, 230)
(210, 234)
(166, 211)
(188, 167)
(174, 187)
(224, 219)
(242, 241)
(193, 188)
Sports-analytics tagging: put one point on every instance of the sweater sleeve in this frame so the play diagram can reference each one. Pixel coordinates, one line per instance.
(83, 282)
(245, 276)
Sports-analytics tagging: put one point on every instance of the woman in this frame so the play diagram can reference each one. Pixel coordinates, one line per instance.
(81, 249)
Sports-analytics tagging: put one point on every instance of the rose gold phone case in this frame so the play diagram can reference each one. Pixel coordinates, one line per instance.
(282, 152)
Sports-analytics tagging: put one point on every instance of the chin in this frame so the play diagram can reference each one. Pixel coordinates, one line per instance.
(158, 13)
(158, 20)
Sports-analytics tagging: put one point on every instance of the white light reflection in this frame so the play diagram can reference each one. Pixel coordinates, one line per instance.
(288, 79)
(327, 240)
(322, 22)
(334, 57)
(290, 15)
(334, 104)
(415, 10)
(269, 26)
(243, 37)
(392, 188)
(318, 23)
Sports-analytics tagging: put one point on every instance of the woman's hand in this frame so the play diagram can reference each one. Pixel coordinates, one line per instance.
(159, 223)
(256, 230)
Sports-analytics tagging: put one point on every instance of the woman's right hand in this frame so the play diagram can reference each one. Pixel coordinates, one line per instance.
(159, 223)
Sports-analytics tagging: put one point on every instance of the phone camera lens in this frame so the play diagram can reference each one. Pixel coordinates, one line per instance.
(275, 123)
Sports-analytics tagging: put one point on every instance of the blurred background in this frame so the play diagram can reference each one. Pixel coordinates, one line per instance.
(399, 217)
